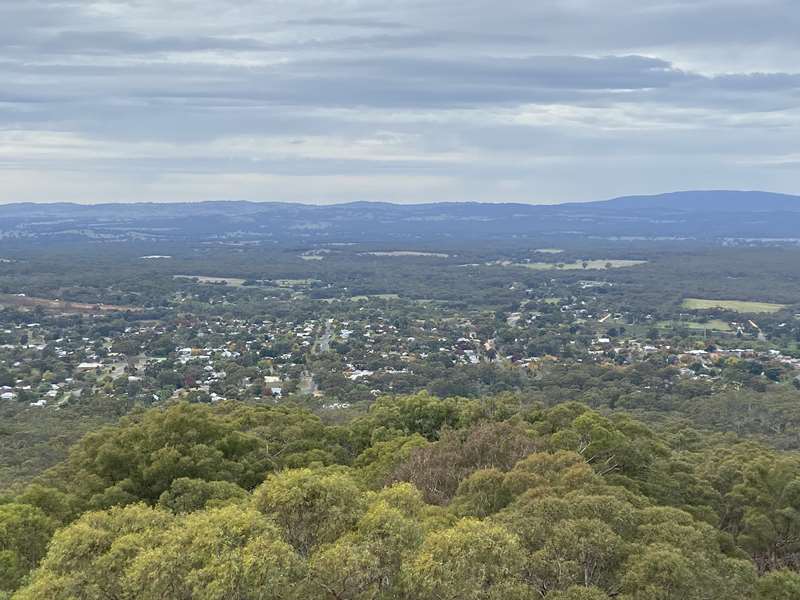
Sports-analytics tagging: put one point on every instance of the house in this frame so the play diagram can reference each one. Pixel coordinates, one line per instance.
(89, 366)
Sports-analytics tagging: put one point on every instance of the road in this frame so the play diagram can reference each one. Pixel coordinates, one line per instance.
(324, 342)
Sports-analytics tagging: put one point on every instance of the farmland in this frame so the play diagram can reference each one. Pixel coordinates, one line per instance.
(61, 306)
(734, 305)
(581, 265)
(401, 253)
(231, 281)
(377, 296)
(712, 325)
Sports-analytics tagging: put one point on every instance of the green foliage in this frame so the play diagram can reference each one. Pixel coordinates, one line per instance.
(137, 552)
(188, 495)
(312, 506)
(422, 413)
(472, 560)
(482, 493)
(579, 593)
(560, 503)
(378, 462)
(90, 558)
(140, 459)
(779, 585)
(24, 533)
(214, 555)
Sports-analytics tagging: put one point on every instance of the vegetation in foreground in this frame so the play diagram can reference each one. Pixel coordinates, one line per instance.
(421, 498)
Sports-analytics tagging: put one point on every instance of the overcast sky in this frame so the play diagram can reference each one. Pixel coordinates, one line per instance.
(400, 100)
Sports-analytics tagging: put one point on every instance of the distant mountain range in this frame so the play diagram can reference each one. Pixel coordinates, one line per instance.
(701, 215)
(725, 201)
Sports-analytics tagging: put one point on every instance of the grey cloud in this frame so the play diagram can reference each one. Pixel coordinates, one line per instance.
(759, 81)
(101, 42)
(476, 91)
(573, 72)
(381, 81)
(616, 24)
(361, 23)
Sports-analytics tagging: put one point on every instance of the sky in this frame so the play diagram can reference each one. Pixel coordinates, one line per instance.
(323, 101)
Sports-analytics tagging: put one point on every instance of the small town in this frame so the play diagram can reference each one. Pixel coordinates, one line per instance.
(378, 347)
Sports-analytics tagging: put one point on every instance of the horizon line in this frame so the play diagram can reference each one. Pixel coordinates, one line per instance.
(388, 202)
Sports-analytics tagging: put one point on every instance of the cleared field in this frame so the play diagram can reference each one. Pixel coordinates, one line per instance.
(378, 296)
(712, 325)
(295, 282)
(549, 250)
(741, 306)
(406, 253)
(231, 281)
(63, 306)
(580, 265)
(317, 254)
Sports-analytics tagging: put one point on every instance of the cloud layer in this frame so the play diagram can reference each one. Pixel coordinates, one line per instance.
(407, 101)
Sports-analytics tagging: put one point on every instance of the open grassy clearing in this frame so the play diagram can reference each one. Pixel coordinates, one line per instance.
(741, 306)
(294, 282)
(579, 265)
(429, 301)
(549, 250)
(231, 281)
(406, 253)
(62, 306)
(712, 325)
(378, 296)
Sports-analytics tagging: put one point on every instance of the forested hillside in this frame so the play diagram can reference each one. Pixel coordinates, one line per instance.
(705, 215)
(420, 498)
